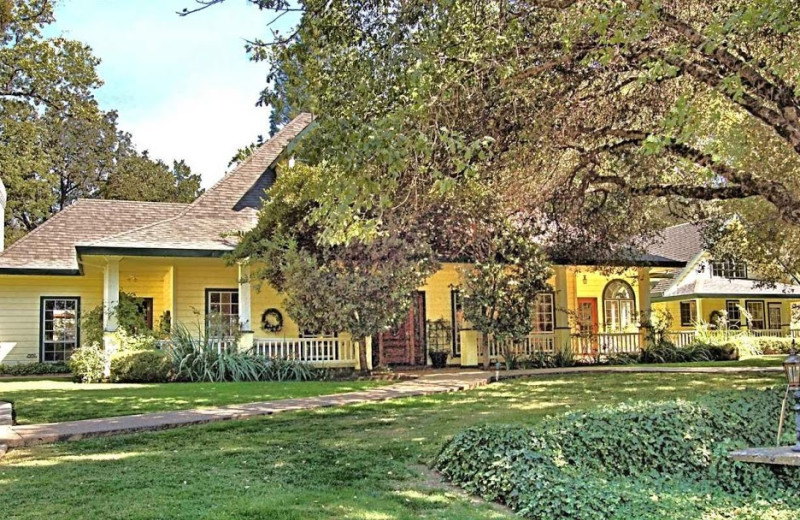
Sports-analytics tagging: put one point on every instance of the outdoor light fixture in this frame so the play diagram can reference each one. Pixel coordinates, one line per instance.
(791, 365)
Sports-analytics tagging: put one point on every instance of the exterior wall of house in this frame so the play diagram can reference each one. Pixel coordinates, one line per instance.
(192, 277)
(179, 285)
(20, 307)
(706, 306)
(147, 278)
(590, 282)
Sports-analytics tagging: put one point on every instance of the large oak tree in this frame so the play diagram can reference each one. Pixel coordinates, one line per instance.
(595, 118)
(56, 144)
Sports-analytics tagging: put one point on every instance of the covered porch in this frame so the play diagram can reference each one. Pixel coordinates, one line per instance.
(185, 292)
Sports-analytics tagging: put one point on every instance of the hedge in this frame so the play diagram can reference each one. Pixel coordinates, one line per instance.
(643, 460)
(34, 369)
(140, 366)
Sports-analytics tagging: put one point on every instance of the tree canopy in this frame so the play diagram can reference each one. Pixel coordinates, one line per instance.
(598, 120)
(56, 144)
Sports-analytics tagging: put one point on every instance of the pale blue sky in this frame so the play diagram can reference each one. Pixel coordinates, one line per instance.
(183, 86)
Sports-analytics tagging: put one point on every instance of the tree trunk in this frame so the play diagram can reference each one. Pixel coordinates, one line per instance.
(485, 352)
(362, 355)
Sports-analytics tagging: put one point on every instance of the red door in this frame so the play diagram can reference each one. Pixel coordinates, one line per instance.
(587, 324)
(405, 344)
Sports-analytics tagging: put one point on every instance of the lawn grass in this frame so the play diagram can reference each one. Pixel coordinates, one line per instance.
(42, 399)
(773, 360)
(356, 462)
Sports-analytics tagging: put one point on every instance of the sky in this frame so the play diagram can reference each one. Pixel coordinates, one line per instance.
(183, 86)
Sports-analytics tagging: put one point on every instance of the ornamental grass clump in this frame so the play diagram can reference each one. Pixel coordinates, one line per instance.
(198, 357)
(640, 460)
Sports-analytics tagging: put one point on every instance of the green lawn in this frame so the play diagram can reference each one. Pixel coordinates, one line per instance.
(357, 462)
(39, 400)
(758, 361)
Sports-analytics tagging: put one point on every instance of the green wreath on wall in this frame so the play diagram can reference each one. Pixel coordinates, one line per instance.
(272, 320)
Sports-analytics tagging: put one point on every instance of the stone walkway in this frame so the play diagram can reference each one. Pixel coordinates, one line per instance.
(427, 382)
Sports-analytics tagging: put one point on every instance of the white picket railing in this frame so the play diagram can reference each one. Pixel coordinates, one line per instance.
(537, 343)
(681, 338)
(606, 343)
(771, 333)
(223, 344)
(323, 351)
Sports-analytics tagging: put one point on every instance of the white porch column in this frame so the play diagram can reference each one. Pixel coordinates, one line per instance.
(111, 293)
(245, 307)
(110, 304)
(645, 310)
(562, 328)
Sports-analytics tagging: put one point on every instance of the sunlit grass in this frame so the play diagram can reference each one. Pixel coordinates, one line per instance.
(55, 400)
(771, 360)
(361, 461)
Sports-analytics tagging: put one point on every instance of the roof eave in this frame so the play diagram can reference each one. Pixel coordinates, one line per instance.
(151, 251)
(39, 271)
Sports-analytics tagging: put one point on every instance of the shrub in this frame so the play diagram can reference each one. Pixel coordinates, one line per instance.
(668, 352)
(564, 356)
(128, 314)
(87, 363)
(194, 358)
(140, 366)
(34, 369)
(277, 369)
(132, 342)
(772, 345)
(610, 462)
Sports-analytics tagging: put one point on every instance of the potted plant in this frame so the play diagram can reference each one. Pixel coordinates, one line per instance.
(438, 358)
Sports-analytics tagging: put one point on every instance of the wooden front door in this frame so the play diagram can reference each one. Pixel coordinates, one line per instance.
(587, 325)
(405, 344)
(587, 315)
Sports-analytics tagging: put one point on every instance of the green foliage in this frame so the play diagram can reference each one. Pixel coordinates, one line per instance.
(277, 369)
(564, 355)
(499, 293)
(56, 144)
(198, 358)
(616, 462)
(356, 278)
(138, 177)
(34, 369)
(774, 345)
(140, 366)
(87, 363)
(130, 319)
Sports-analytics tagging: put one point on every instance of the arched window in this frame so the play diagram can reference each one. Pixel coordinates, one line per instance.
(620, 306)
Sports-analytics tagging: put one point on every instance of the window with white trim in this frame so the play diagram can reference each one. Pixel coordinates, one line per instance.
(734, 314)
(543, 313)
(222, 311)
(729, 269)
(757, 316)
(774, 313)
(59, 328)
(620, 306)
(688, 313)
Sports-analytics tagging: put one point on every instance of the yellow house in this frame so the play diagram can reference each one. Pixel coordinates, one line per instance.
(171, 256)
(706, 290)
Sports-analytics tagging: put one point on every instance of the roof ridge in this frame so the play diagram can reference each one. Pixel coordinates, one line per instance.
(252, 157)
(125, 201)
(193, 204)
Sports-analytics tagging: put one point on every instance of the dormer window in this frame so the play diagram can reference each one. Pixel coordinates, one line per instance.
(729, 269)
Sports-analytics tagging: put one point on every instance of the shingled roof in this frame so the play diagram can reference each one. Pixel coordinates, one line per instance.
(207, 226)
(681, 243)
(51, 246)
